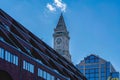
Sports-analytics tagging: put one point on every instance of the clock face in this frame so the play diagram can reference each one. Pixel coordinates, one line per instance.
(58, 40)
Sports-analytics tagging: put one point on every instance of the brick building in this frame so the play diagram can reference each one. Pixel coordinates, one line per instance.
(23, 56)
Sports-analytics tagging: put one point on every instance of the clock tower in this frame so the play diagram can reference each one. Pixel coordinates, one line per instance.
(61, 39)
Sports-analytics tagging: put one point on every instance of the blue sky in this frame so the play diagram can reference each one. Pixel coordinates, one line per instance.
(94, 25)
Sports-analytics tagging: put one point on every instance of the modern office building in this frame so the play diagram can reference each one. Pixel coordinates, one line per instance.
(61, 39)
(23, 56)
(96, 68)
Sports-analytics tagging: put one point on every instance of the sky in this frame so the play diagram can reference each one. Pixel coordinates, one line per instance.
(93, 25)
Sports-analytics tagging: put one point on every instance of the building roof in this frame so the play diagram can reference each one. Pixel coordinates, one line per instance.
(22, 39)
(95, 56)
(61, 26)
(97, 59)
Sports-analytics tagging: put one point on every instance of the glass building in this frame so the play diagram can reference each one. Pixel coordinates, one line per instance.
(96, 68)
(23, 56)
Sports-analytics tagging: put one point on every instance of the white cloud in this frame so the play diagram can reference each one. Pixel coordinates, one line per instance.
(50, 7)
(57, 4)
(60, 4)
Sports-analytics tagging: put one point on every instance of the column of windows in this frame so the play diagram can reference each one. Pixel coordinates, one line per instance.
(28, 66)
(45, 75)
(7, 56)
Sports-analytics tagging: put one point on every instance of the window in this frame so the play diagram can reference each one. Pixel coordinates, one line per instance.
(24, 65)
(28, 66)
(102, 69)
(103, 74)
(81, 66)
(87, 75)
(92, 75)
(96, 75)
(48, 76)
(1, 53)
(108, 64)
(91, 70)
(16, 58)
(52, 77)
(87, 71)
(32, 68)
(7, 56)
(45, 75)
(39, 72)
(102, 65)
(103, 78)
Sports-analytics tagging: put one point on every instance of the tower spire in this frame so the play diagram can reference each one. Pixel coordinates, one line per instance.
(61, 24)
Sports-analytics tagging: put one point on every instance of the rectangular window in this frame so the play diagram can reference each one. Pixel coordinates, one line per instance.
(87, 71)
(11, 58)
(92, 75)
(108, 64)
(92, 60)
(48, 76)
(40, 72)
(81, 66)
(96, 75)
(87, 75)
(1, 53)
(103, 74)
(16, 63)
(96, 60)
(52, 77)
(91, 70)
(45, 74)
(102, 78)
(32, 68)
(102, 70)
(24, 66)
(7, 56)
(96, 70)
(103, 65)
